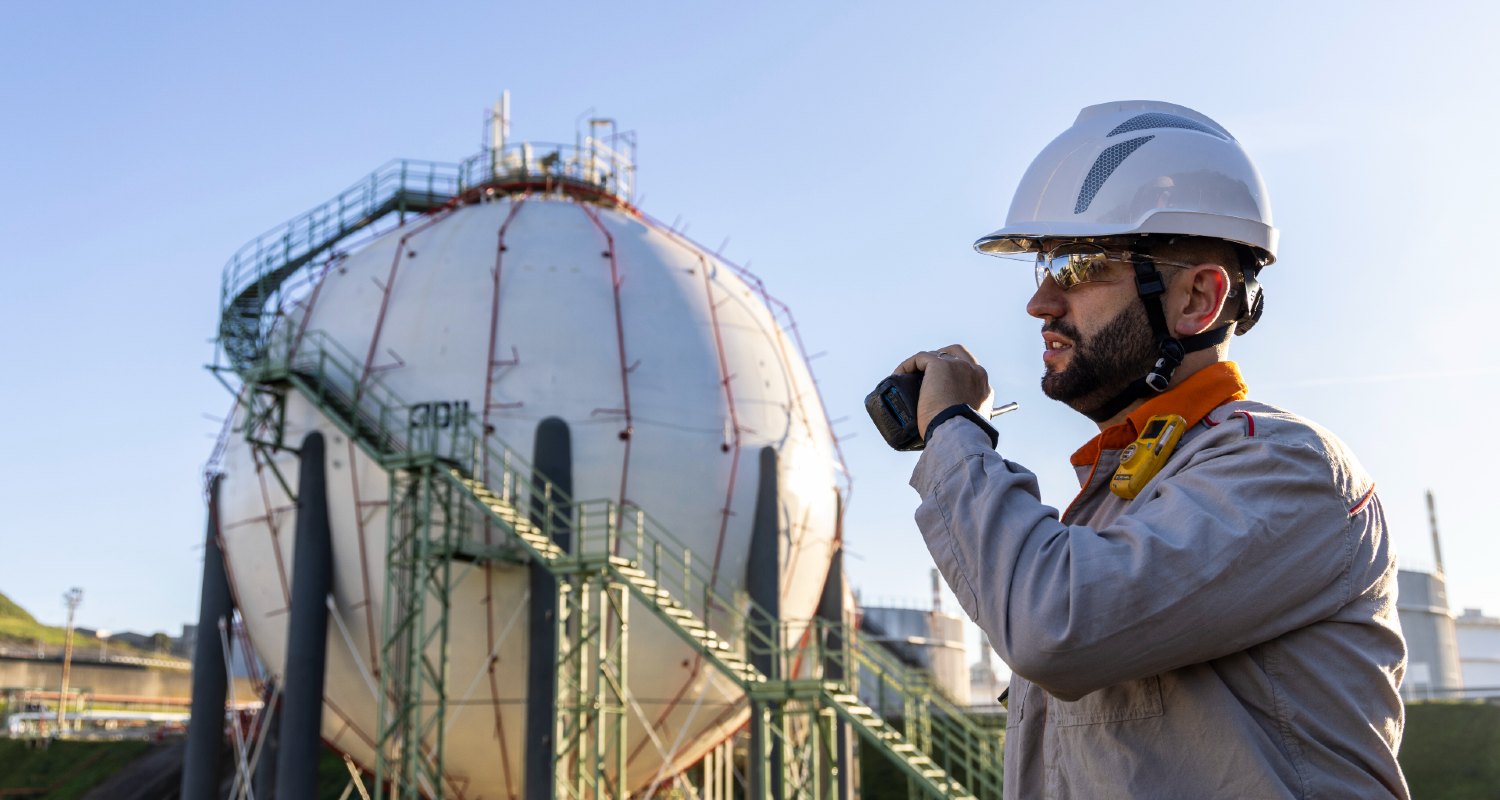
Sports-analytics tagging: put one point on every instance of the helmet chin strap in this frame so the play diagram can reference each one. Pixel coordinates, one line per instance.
(1170, 350)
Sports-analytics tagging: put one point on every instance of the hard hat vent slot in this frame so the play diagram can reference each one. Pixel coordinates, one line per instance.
(1141, 122)
(1105, 165)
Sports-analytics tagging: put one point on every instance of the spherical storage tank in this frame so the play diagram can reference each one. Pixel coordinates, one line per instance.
(543, 293)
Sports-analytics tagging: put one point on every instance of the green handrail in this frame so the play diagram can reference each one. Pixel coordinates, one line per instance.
(952, 738)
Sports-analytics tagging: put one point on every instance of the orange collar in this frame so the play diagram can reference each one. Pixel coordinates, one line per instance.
(1198, 394)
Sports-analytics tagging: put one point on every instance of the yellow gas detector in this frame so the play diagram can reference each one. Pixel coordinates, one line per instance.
(1143, 458)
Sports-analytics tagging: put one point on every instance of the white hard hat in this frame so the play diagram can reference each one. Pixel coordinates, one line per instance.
(1139, 167)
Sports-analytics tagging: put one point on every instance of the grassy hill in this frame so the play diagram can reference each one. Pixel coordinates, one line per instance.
(19, 627)
(9, 610)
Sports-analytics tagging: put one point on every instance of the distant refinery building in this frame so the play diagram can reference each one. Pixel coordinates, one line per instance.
(1479, 653)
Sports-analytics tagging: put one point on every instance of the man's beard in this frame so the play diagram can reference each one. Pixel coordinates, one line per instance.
(1103, 364)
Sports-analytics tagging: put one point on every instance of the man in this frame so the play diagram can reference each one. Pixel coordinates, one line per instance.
(1224, 627)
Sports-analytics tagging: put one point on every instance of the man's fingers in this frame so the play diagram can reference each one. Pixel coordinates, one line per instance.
(917, 363)
(959, 352)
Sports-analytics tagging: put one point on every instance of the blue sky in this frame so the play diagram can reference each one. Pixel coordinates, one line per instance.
(849, 152)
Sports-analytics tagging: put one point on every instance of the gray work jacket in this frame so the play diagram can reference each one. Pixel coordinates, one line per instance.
(1229, 633)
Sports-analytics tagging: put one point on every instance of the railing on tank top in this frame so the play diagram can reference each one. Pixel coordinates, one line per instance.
(256, 280)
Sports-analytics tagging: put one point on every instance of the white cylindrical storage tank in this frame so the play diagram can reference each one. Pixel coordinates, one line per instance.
(932, 641)
(1432, 668)
(671, 372)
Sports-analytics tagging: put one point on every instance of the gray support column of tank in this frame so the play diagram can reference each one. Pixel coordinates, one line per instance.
(205, 738)
(552, 458)
(831, 610)
(307, 636)
(763, 582)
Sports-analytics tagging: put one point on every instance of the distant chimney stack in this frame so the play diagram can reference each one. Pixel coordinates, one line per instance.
(1437, 547)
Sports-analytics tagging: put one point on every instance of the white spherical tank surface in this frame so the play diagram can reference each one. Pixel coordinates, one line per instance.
(671, 371)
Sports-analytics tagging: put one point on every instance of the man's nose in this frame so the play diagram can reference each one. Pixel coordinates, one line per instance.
(1049, 301)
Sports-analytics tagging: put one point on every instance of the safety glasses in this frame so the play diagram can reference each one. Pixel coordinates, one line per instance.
(1072, 263)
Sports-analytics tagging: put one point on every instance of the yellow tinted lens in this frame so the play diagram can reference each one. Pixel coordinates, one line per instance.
(1071, 265)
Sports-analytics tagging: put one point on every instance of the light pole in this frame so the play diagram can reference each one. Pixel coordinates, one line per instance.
(73, 597)
(103, 637)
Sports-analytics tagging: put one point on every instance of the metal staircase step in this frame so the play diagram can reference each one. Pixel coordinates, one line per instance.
(650, 587)
(631, 572)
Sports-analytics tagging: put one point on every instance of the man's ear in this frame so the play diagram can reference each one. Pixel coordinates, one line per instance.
(1198, 296)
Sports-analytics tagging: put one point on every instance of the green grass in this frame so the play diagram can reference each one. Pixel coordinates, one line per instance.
(68, 770)
(27, 632)
(65, 770)
(18, 625)
(1451, 751)
(333, 776)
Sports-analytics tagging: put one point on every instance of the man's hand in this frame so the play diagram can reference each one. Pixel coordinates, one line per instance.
(950, 376)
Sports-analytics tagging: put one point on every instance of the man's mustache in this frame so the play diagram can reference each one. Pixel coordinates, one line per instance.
(1062, 328)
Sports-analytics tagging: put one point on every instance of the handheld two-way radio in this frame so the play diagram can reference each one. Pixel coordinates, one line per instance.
(893, 409)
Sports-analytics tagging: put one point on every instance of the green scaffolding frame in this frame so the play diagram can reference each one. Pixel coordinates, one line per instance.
(422, 523)
(592, 630)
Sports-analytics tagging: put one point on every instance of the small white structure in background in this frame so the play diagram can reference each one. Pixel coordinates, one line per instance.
(1479, 653)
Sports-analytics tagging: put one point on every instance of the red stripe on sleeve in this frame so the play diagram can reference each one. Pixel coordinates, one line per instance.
(1363, 501)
